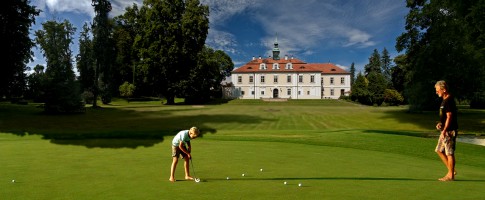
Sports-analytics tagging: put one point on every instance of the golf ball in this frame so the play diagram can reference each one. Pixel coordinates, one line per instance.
(227, 178)
(261, 169)
(13, 181)
(197, 180)
(299, 184)
(285, 183)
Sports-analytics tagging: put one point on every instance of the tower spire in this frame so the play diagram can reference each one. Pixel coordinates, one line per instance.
(276, 50)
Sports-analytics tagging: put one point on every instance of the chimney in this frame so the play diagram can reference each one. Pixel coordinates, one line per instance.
(254, 58)
(286, 57)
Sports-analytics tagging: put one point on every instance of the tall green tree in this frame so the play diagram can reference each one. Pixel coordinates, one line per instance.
(16, 17)
(125, 31)
(360, 90)
(173, 33)
(374, 64)
(85, 60)
(386, 65)
(61, 91)
(442, 42)
(103, 51)
(352, 73)
(398, 73)
(205, 79)
(377, 86)
(35, 89)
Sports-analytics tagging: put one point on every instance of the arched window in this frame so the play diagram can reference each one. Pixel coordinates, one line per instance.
(276, 66)
(289, 66)
(262, 66)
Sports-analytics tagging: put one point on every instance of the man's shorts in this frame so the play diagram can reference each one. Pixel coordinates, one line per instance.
(447, 143)
(176, 152)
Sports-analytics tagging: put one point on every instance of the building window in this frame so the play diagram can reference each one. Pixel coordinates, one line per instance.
(307, 92)
(251, 79)
(288, 92)
(288, 78)
(262, 66)
(299, 92)
(289, 66)
(262, 79)
(300, 78)
(331, 92)
(275, 78)
(252, 92)
(331, 80)
(262, 92)
(342, 80)
(242, 93)
(312, 78)
(342, 92)
(276, 66)
(239, 79)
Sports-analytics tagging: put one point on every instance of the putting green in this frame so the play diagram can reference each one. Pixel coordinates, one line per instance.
(44, 170)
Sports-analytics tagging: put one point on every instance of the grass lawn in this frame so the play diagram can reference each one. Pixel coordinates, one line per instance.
(337, 150)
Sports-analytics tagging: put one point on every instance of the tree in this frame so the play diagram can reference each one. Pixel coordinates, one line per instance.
(85, 61)
(205, 80)
(377, 86)
(374, 64)
(16, 18)
(386, 65)
(61, 91)
(398, 73)
(172, 35)
(125, 30)
(103, 51)
(360, 91)
(443, 41)
(352, 73)
(35, 89)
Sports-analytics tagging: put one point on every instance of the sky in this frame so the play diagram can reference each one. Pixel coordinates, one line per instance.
(341, 32)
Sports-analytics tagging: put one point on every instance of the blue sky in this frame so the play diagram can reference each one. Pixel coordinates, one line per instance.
(315, 31)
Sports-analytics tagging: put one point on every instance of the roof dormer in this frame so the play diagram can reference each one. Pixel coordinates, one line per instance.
(276, 66)
(262, 66)
(289, 66)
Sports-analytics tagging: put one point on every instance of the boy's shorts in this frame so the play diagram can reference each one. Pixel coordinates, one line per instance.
(447, 143)
(176, 152)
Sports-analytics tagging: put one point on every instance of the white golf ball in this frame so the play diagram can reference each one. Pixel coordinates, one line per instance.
(243, 175)
(285, 183)
(227, 178)
(13, 181)
(299, 184)
(261, 169)
(197, 180)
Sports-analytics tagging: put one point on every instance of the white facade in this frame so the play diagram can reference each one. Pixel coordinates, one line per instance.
(290, 85)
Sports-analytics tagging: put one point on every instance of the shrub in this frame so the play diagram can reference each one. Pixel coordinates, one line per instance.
(393, 97)
(127, 89)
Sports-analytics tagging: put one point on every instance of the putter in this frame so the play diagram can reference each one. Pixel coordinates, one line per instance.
(193, 169)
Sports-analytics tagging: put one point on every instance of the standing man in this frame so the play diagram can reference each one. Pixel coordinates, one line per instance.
(448, 126)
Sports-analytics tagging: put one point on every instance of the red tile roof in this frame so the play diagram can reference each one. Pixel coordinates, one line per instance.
(298, 66)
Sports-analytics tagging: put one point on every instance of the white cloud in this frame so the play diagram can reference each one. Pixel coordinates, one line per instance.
(78, 6)
(222, 40)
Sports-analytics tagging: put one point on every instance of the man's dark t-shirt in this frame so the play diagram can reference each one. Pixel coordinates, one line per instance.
(449, 105)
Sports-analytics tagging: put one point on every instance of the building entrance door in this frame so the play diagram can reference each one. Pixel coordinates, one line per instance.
(275, 93)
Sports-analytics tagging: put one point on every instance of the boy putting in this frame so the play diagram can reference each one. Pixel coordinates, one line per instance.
(181, 146)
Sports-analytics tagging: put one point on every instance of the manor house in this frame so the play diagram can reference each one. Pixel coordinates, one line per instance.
(289, 78)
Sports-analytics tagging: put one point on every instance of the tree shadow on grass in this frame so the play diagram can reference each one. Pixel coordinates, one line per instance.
(469, 120)
(113, 127)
